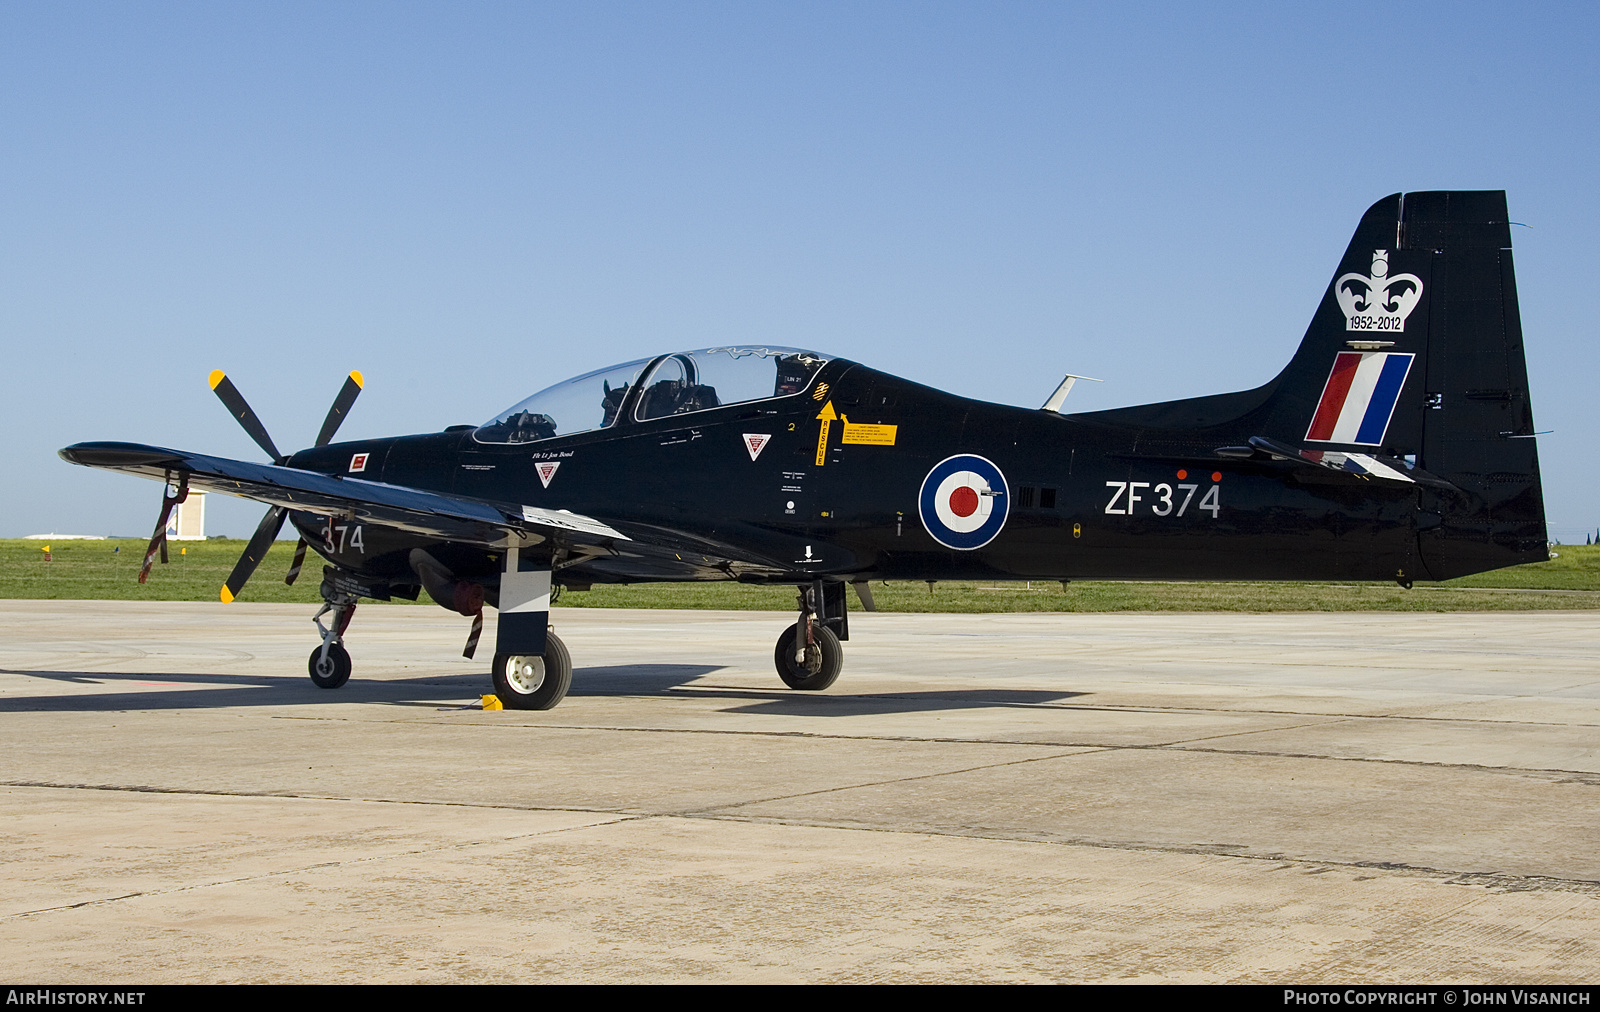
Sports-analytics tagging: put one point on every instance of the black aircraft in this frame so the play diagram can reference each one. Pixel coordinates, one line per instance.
(1398, 444)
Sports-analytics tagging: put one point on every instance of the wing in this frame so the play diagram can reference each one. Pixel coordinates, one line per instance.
(450, 517)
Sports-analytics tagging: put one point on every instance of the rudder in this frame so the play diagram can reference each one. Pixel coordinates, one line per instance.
(1477, 420)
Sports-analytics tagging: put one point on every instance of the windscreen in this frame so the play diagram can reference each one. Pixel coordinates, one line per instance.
(590, 401)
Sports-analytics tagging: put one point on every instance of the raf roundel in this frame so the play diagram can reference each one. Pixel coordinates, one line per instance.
(964, 502)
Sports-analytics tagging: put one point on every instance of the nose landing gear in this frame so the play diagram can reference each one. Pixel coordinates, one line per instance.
(329, 664)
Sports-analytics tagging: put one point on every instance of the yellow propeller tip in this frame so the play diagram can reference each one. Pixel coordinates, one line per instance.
(227, 595)
(361, 382)
(217, 376)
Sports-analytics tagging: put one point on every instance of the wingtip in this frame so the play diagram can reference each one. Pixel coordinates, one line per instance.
(227, 595)
(217, 376)
(361, 382)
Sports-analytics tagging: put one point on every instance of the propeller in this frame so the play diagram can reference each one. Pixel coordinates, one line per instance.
(158, 541)
(260, 542)
(267, 531)
(234, 401)
(299, 560)
(341, 406)
(864, 591)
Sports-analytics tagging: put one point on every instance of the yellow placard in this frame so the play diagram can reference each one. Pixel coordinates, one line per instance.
(863, 434)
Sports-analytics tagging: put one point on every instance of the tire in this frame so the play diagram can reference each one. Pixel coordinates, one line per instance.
(533, 683)
(794, 673)
(333, 672)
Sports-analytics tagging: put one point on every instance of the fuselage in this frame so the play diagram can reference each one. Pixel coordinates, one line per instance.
(830, 482)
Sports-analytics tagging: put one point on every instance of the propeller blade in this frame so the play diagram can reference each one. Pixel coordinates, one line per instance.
(299, 560)
(158, 541)
(254, 552)
(473, 634)
(235, 403)
(341, 406)
(864, 591)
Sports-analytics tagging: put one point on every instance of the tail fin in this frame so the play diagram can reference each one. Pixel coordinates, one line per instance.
(1414, 353)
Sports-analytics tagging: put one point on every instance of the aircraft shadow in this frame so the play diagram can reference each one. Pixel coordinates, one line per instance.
(636, 679)
(223, 691)
(209, 691)
(795, 704)
(661, 679)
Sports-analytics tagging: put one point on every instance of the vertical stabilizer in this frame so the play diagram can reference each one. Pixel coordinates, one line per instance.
(1414, 356)
(1416, 353)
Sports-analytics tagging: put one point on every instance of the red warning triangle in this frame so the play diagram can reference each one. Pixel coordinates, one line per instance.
(547, 470)
(755, 442)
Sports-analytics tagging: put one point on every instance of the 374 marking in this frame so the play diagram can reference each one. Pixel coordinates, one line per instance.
(1162, 499)
(336, 538)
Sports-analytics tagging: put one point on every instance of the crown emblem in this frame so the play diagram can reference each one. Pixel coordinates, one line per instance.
(1379, 301)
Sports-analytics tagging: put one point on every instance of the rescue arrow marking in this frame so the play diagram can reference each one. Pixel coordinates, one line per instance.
(827, 416)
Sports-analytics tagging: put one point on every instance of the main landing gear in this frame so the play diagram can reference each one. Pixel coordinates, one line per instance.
(329, 664)
(808, 655)
(533, 681)
(532, 669)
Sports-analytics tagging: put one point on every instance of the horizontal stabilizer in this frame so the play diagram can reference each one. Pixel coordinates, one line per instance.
(1365, 465)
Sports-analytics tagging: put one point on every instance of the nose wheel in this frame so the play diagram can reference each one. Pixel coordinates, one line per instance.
(329, 668)
(329, 664)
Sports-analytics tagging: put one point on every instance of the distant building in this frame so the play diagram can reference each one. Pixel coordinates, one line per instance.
(188, 521)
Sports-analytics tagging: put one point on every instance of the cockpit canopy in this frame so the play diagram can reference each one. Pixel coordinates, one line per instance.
(652, 388)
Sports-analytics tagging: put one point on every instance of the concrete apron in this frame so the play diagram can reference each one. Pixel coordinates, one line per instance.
(1268, 798)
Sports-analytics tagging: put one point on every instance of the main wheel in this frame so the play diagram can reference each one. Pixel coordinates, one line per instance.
(531, 682)
(332, 671)
(827, 657)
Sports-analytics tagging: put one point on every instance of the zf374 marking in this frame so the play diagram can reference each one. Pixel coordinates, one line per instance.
(1164, 499)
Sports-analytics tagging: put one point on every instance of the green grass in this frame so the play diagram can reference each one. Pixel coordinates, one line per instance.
(108, 570)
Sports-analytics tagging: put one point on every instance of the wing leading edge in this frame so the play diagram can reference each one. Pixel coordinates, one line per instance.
(451, 517)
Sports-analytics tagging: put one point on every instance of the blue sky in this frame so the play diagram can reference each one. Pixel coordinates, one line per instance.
(469, 202)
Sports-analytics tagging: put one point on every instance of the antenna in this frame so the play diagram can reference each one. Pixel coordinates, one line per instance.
(1057, 398)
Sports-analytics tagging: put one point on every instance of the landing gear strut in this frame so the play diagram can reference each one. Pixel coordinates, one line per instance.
(532, 669)
(329, 664)
(808, 655)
